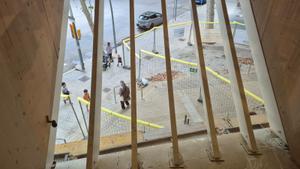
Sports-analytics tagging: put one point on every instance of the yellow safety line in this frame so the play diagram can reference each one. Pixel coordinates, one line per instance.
(121, 116)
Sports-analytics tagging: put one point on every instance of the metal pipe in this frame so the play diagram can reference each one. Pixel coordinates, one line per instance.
(85, 123)
(234, 31)
(140, 62)
(115, 97)
(123, 50)
(190, 35)
(77, 118)
(77, 41)
(175, 10)
(154, 42)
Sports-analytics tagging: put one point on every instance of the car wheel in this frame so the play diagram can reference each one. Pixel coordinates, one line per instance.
(151, 26)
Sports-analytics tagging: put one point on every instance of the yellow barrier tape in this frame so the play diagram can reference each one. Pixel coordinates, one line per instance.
(255, 97)
(121, 116)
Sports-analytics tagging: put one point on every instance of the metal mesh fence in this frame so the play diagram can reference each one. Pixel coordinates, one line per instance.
(186, 77)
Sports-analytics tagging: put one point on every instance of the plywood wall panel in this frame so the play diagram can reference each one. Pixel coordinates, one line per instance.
(278, 23)
(28, 58)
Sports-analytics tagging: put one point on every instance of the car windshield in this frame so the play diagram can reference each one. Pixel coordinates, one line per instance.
(143, 17)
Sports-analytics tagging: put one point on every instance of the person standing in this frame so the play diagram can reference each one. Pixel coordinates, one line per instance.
(65, 91)
(86, 97)
(109, 52)
(119, 60)
(125, 95)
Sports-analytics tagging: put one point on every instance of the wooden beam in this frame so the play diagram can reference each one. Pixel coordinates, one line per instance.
(134, 160)
(96, 88)
(59, 74)
(176, 155)
(204, 84)
(262, 72)
(238, 92)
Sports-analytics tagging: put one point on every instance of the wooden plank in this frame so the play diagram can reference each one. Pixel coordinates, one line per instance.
(262, 70)
(106, 142)
(238, 92)
(204, 84)
(59, 73)
(134, 160)
(96, 88)
(176, 155)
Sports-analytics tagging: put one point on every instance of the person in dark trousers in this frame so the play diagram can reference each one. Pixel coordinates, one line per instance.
(65, 91)
(119, 60)
(109, 52)
(125, 95)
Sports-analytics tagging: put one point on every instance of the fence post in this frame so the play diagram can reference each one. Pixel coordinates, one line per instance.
(115, 97)
(123, 50)
(190, 35)
(200, 100)
(140, 66)
(83, 116)
(76, 117)
(154, 42)
(234, 29)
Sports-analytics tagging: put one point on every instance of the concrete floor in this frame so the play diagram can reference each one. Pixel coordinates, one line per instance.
(273, 155)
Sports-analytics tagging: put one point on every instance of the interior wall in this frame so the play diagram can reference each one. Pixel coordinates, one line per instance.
(278, 23)
(29, 47)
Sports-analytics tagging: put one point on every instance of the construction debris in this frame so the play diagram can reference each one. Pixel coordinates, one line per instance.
(163, 76)
(246, 61)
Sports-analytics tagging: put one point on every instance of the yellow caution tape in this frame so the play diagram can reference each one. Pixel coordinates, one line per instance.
(121, 116)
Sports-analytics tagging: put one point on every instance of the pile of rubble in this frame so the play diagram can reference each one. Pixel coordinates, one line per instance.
(163, 76)
(245, 61)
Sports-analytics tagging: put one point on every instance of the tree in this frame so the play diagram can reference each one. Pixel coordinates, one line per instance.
(90, 19)
(210, 13)
(87, 14)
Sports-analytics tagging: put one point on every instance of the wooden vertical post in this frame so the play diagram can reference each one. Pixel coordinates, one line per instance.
(177, 160)
(96, 88)
(59, 74)
(238, 92)
(262, 70)
(134, 160)
(215, 152)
